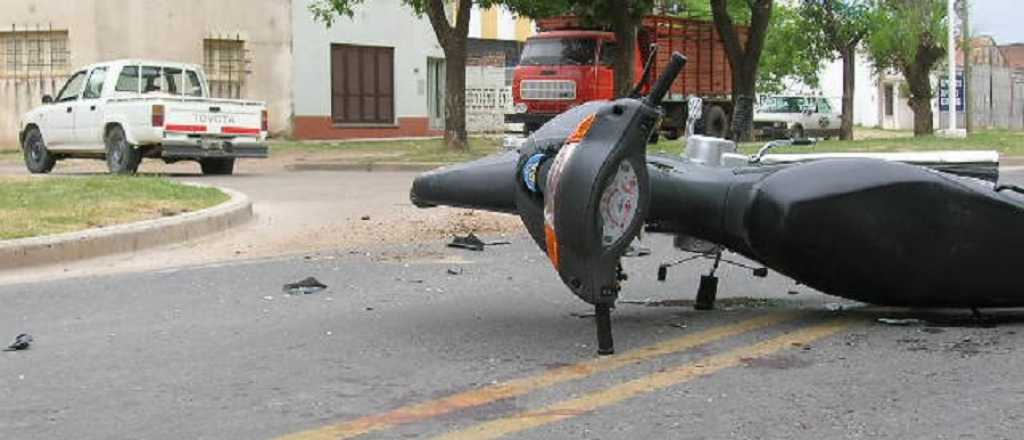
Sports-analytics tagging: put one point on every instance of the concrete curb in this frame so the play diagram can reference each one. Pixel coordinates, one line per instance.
(1012, 161)
(80, 245)
(372, 166)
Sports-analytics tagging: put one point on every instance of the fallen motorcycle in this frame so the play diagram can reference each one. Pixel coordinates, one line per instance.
(921, 230)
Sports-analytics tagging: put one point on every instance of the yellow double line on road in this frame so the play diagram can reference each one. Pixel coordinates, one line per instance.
(518, 387)
(571, 408)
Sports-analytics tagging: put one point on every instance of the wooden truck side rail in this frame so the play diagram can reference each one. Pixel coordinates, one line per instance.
(707, 74)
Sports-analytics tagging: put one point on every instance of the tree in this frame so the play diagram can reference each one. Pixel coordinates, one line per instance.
(910, 36)
(837, 27)
(452, 37)
(744, 58)
(790, 52)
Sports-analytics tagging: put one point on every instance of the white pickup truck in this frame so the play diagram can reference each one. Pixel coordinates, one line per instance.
(795, 117)
(122, 111)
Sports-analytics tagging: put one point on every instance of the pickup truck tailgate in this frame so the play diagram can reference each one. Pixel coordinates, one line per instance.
(214, 118)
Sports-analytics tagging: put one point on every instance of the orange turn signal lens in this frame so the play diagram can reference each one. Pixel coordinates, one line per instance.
(552, 244)
(581, 130)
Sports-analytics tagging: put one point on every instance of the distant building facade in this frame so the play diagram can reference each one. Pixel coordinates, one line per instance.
(244, 46)
(377, 74)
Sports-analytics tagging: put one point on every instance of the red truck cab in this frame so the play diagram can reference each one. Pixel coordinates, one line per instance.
(569, 63)
(562, 69)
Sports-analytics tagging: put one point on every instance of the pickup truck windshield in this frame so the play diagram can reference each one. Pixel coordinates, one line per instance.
(72, 88)
(782, 104)
(559, 52)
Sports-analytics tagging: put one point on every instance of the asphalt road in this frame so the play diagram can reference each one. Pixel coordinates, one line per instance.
(397, 347)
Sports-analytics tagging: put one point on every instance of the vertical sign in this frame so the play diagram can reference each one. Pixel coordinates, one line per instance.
(944, 93)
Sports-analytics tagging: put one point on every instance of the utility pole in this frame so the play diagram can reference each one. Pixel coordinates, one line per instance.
(967, 44)
(951, 131)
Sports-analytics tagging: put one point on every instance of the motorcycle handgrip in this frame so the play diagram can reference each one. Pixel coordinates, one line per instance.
(675, 65)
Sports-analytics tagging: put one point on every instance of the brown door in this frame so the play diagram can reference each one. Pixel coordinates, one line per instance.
(362, 84)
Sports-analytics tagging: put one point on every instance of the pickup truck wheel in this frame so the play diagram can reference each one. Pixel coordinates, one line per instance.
(122, 157)
(217, 167)
(38, 159)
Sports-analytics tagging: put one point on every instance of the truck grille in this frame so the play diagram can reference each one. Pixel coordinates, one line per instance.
(547, 89)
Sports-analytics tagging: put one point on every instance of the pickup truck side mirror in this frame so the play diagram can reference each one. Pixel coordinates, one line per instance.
(47, 99)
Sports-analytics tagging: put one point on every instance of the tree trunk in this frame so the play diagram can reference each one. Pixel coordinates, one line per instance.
(920, 99)
(918, 76)
(744, 58)
(849, 55)
(625, 33)
(744, 82)
(453, 42)
(455, 135)
(923, 124)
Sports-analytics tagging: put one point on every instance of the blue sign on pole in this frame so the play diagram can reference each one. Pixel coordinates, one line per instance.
(944, 93)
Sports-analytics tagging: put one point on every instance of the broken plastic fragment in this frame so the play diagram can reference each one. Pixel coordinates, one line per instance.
(470, 242)
(306, 286)
(473, 243)
(901, 322)
(21, 342)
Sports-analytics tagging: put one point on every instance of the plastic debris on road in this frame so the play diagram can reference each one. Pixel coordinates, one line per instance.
(306, 286)
(21, 342)
(472, 242)
(901, 322)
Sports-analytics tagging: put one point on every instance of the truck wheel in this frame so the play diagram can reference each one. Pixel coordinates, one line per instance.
(217, 167)
(797, 132)
(673, 134)
(122, 157)
(716, 122)
(38, 159)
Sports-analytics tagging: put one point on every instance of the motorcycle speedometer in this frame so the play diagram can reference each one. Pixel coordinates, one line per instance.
(620, 203)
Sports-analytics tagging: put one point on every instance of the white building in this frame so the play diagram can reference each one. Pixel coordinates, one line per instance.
(379, 73)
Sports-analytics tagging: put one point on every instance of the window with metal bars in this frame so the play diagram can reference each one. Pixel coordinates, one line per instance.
(226, 66)
(33, 53)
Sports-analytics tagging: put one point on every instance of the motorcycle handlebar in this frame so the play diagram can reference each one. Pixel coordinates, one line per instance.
(675, 65)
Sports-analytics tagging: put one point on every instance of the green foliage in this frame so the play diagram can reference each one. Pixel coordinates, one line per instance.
(701, 9)
(326, 11)
(790, 52)
(835, 24)
(901, 29)
(596, 11)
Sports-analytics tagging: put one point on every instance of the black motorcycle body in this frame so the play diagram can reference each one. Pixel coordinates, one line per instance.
(880, 232)
(877, 231)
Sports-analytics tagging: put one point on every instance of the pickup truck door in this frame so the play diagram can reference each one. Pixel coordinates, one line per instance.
(58, 124)
(808, 114)
(88, 113)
